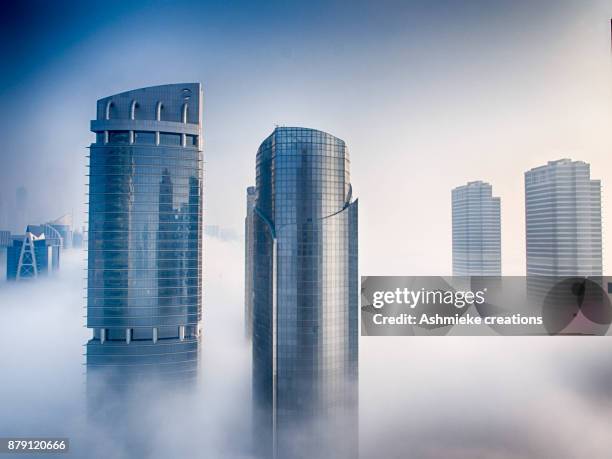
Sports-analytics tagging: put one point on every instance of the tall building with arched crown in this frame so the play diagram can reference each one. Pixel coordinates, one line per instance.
(144, 283)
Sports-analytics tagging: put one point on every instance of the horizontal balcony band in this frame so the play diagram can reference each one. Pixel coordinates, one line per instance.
(171, 127)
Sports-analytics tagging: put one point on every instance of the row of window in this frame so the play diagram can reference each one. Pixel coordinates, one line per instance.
(136, 171)
(142, 190)
(132, 183)
(100, 160)
(145, 138)
(142, 322)
(149, 333)
(136, 153)
(145, 301)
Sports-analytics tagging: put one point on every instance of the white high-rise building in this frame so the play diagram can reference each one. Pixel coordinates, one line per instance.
(563, 220)
(476, 230)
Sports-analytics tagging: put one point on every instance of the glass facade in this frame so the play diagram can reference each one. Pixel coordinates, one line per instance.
(476, 230)
(305, 329)
(144, 301)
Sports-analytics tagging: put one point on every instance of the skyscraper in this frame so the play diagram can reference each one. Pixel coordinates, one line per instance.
(563, 220)
(476, 230)
(249, 249)
(144, 301)
(305, 329)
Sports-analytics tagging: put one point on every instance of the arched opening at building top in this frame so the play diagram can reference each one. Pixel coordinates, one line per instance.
(134, 110)
(158, 110)
(184, 112)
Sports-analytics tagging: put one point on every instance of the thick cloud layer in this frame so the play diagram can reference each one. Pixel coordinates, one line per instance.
(484, 397)
(43, 375)
(422, 398)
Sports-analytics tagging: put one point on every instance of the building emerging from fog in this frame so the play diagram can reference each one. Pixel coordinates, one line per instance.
(249, 251)
(563, 220)
(30, 256)
(145, 235)
(53, 238)
(63, 225)
(476, 231)
(5, 243)
(305, 329)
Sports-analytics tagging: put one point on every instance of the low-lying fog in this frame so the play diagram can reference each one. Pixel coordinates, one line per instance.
(421, 398)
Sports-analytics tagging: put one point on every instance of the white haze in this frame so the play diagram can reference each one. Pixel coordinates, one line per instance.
(421, 398)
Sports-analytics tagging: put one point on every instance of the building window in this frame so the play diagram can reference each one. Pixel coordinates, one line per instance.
(192, 140)
(100, 137)
(122, 137)
(166, 138)
(144, 137)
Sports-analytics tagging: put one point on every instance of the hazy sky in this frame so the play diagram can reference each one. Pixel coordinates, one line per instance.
(427, 95)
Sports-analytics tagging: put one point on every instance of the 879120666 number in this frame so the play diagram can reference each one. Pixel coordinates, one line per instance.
(34, 445)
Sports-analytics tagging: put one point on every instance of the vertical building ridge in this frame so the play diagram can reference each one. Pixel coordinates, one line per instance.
(249, 246)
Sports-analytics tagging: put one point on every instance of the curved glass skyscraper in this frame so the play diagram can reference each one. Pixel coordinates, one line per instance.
(144, 282)
(305, 329)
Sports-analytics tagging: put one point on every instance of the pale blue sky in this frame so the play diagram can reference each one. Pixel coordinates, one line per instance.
(427, 95)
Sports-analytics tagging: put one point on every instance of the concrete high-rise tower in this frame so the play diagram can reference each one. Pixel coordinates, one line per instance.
(305, 328)
(476, 231)
(144, 301)
(563, 220)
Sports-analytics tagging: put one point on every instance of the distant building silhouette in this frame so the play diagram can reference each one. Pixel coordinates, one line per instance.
(29, 257)
(77, 239)
(63, 225)
(249, 254)
(305, 309)
(476, 230)
(219, 232)
(5, 242)
(52, 238)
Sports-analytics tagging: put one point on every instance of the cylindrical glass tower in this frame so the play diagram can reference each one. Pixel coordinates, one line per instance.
(305, 330)
(144, 283)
